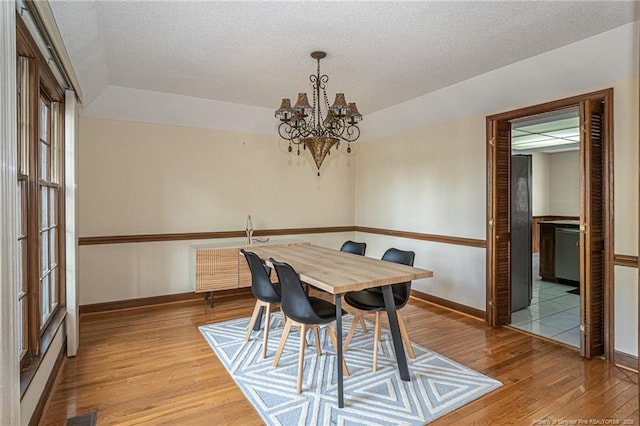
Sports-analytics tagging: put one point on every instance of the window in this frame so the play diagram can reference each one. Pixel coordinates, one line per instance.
(40, 281)
(49, 196)
(23, 220)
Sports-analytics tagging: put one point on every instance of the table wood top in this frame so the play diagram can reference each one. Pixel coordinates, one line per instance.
(338, 272)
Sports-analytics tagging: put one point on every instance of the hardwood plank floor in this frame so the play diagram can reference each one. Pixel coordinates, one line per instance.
(152, 366)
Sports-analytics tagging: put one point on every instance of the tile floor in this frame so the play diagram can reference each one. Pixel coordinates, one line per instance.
(553, 313)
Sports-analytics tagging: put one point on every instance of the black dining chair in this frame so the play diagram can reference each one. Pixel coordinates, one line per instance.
(372, 300)
(354, 247)
(304, 312)
(267, 295)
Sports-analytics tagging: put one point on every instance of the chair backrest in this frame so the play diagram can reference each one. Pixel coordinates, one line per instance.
(295, 302)
(261, 286)
(401, 291)
(354, 247)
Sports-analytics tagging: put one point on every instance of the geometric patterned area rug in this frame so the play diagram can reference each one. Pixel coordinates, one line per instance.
(437, 387)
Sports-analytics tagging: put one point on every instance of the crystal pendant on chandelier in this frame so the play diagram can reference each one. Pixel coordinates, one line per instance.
(318, 126)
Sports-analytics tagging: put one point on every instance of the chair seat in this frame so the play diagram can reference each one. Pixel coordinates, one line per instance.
(368, 300)
(325, 310)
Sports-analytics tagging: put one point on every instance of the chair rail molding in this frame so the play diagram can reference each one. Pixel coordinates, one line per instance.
(146, 238)
(629, 261)
(9, 363)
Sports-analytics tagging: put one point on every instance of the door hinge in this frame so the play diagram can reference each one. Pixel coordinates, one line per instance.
(490, 222)
(584, 227)
(492, 141)
(503, 236)
(583, 328)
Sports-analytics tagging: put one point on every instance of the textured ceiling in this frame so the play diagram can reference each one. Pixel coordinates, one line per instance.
(254, 53)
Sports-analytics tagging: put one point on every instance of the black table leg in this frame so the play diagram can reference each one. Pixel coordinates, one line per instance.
(339, 349)
(256, 326)
(390, 306)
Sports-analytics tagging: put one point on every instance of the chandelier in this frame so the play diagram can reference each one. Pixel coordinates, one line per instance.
(309, 126)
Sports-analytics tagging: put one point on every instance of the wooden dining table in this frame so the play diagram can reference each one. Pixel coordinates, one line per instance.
(337, 273)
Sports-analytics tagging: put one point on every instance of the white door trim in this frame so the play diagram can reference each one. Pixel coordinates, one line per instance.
(9, 362)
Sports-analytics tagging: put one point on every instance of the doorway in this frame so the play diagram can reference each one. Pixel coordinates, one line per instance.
(595, 216)
(545, 213)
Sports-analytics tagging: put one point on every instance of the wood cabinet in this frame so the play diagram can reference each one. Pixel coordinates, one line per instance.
(223, 267)
(547, 251)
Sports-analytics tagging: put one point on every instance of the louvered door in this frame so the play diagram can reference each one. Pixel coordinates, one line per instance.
(498, 235)
(592, 205)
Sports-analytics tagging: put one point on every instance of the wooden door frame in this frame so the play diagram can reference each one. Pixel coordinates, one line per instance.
(492, 309)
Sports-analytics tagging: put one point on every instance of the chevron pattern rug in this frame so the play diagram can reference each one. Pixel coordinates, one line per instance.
(438, 385)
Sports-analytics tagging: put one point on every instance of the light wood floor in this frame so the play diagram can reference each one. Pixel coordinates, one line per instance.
(152, 366)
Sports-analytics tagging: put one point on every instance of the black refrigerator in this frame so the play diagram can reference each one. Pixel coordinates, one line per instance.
(521, 218)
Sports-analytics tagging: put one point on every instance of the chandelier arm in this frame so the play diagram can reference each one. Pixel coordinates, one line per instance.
(344, 131)
(352, 133)
(285, 130)
(338, 129)
(306, 131)
(335, 133)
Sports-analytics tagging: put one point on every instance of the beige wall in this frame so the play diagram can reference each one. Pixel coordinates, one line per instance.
(433, 180)
(539, 184)
(430, 181)
(564, 183)
(556, 184)
(138, 178)
(114, 272)
(625, 153)
(626, 309)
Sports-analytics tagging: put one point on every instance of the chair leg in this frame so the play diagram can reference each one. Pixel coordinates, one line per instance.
(300, 332)
(334, 342)
(254, 316)
(316, 335)
(356, 318)
(405, 335)
(283, 340)
(265, 339)
(363, 325)
(301, 357)
(376, 341)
